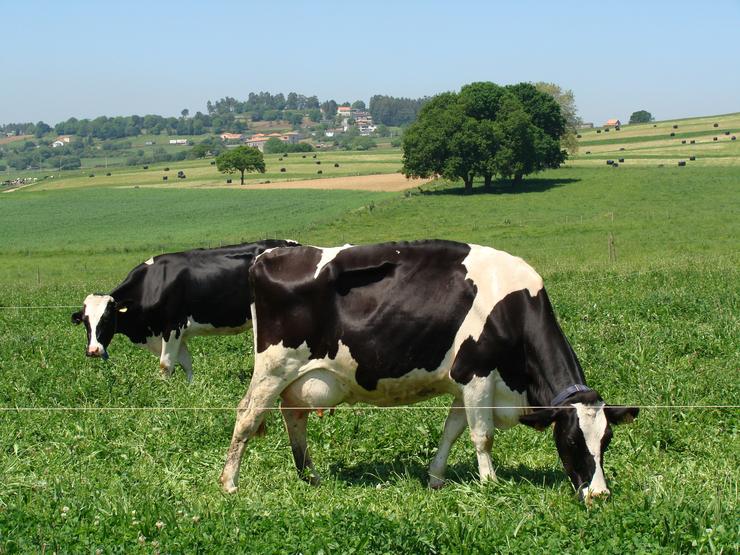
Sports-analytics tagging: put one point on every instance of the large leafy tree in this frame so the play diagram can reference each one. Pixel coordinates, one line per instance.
(241, 159)
(567, 102)
(641, 116)
(485, 130)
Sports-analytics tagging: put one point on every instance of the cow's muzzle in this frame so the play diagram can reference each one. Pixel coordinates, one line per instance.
(97, 353)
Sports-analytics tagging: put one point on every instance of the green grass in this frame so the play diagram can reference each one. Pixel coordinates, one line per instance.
(660, 325)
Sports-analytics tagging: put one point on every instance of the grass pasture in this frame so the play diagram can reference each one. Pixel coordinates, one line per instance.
(660, 325)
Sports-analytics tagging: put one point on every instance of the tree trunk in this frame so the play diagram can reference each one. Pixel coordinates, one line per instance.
(518, 178)
(468, 185)
(242, 177)
(487, 180)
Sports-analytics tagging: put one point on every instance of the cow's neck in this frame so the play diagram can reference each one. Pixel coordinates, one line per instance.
(551, 363)
(129, 323)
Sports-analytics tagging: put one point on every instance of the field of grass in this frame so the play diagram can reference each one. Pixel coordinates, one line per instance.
(650, 144)
(660, 325)
(200, 173)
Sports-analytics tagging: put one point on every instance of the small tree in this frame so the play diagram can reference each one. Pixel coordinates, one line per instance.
(641, 116)
(241, 159)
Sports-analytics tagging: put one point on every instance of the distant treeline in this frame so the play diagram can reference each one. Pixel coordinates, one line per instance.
(221, 116)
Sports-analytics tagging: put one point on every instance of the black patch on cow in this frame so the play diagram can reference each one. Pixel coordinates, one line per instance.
(397, 306)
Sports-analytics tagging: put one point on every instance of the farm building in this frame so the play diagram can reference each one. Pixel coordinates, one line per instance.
(61, 140)
(231, 136)
(178, 141)
(612, 123)
(258, 141)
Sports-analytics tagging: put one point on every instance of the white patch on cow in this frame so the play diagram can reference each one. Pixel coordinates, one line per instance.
(495, 274)
(592, 421)
(506, 402)
(327, 255)
(193, 328)
(95, 306)
(150, 261)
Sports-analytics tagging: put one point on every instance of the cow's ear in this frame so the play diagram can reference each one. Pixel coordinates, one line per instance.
(620, 415)
(77, 317)
(540, 419)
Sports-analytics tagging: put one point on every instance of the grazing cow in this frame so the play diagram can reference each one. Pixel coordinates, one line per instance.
(396, 323)
(172, 297)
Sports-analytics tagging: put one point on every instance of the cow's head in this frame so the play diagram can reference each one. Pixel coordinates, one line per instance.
(582, 433)
(99, 314)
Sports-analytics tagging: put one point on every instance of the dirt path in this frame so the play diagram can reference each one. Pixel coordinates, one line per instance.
(383, 182)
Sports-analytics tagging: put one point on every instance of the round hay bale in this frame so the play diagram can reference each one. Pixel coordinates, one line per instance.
(588, 152)
(282, 170)
(91, 175)
(228, 181)
(615, 165)
(609, 162)
(727, 132)
(621, 148)
(714, 138)
(681, 163)
(164, 178)
(146, 167)
(318, 162)
(108, 174)
(304, 156)
(213, 162)
(716, 125)
(683, 142)
(606, 130)
(166, 170)
(675, 127)
(621, 160)
(598, 130)
(336, 165)
(617, 128)
(692, 158)
(693, 142)
(578, 136)
(673, 134)
(320, 171)
(733, 138)
(314, 156)
(285, 155)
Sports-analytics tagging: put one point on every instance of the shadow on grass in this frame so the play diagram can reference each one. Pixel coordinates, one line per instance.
(373, 473)
(532, 185)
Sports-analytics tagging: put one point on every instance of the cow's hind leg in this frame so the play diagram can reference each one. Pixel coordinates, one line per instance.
(478, 397)
(186, 361)
(454, 426)
(296, 422)
(260, 398)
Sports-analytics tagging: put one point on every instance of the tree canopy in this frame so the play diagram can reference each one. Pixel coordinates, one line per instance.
(241, 159)
(485, 130)
(641, 116)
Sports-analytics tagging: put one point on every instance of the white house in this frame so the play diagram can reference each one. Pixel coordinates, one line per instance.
(61, 140)
(178, 141)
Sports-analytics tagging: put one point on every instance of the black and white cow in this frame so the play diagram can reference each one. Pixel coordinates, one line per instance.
(396, 323)
(172, 297)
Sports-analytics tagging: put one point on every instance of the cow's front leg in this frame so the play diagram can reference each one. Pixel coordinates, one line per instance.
(478, 397)
(170, 354)
(185, 360)
(454, 426)
(260, 397)
(296, 422)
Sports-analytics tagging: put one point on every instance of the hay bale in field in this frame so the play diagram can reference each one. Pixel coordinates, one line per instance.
(228, 181)
(621, 159)
(681, 163)
(714, 138)
(588, 152)
(692, 158)
(282, 170)
(716, 125)
(606, 130)
(655, 125)
(285, 155)
(213, 162)
(578, 136)
(683, 142)
(108, 174)
(320, 171)
(727, 132)
(675, 127)
(617, 128)
(673, 134)
(615, 165)
(303, 156)
(280, 159)
(621, 148)
(314, 156)
(146, 167)
(318, 161)
(164, 178)
(336, 165)
(733, 138)
(91, 175)
(609, 162)
(166, 170)
(598, 130)
(693, 142)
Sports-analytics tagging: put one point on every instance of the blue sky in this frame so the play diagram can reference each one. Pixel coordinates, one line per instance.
(82, 58)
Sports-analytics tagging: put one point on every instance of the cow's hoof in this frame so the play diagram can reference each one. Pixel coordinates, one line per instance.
(436, 483)
(228, 485)
(314, 481)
